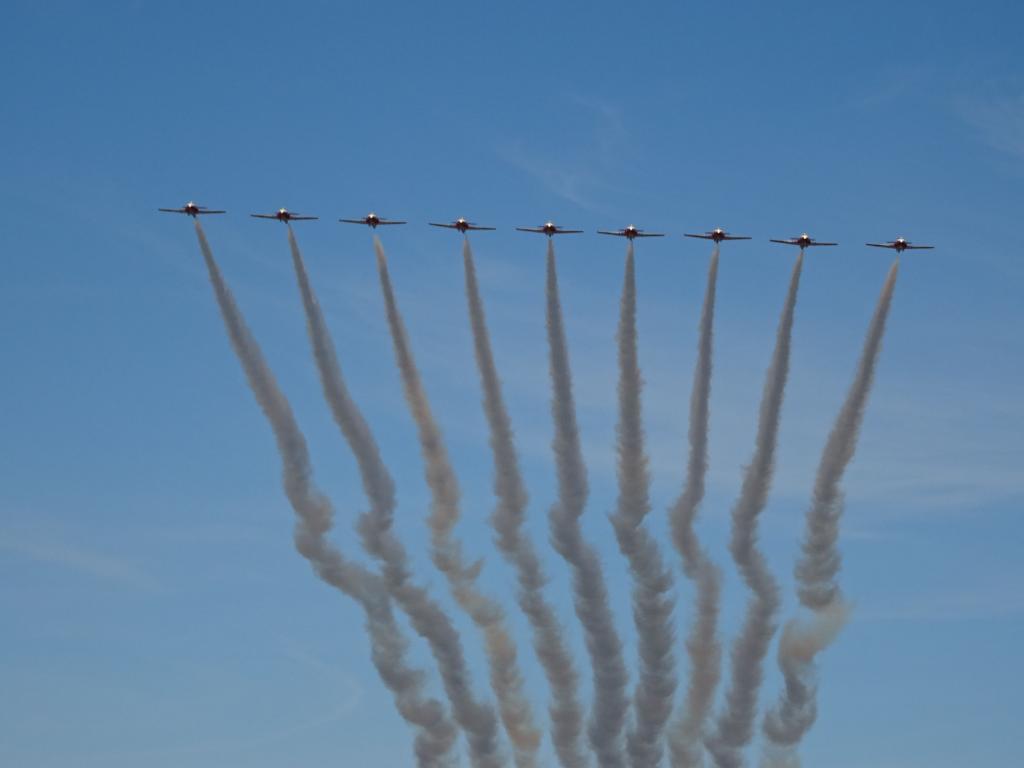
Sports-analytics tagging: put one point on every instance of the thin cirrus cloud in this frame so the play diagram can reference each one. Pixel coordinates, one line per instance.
(74, 557)
(579, 173)
(998, 119)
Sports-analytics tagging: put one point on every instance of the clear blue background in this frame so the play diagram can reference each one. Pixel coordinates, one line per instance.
(154, 610)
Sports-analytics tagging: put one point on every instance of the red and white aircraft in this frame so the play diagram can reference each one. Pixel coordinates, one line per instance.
(718, 235)
(371, 220)
(803, 241)
(190, 209)
(630, 232)
(283, 214)
(550, 228)
(462, 225)
(901, 244)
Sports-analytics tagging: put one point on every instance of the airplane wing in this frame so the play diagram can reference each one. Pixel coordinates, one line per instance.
(650, 234)
(569, 232)
(293, 217)
(172, 210)
(204, 210)
(386, 221)
(881, 245)
(736, 237)
(354, 221)
(530, 229)
(784, 242)
(823, 243)
(446, 226)
(479, 229)
(263, 215)
(605, 232)
(702, 237)
(920, 247)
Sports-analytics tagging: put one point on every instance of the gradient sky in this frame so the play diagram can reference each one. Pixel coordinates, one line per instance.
(155, 611)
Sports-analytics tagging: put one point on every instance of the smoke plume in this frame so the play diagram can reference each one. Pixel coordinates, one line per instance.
(436, 735)
(555, 658)
(446, 550)
(652, 580)
(734, 725)
(702, 643)
(818, 566)
(590, 594)
(429, 619)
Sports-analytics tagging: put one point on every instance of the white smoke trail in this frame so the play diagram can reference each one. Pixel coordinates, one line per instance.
(702, 643)
(796, 710)
(794, 714)
(817, 569)
(555, 658)
(735, 724)
(446, 550)
(315, 517)
(652, 580)
(590, 594)
(375, 525)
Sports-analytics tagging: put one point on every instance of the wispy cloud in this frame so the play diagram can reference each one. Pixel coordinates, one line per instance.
(891, 86)
(570, 181)
(579, 171)
(998, 118)
(76, 558)
(959, 605)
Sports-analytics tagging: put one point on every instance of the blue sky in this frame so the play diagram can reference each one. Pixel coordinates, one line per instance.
(156, 612)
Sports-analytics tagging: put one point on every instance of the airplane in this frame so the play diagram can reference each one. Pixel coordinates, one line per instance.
(803, 241)
(283, 214)
(550, 228)
(718, 235)
(901, 244)
(630, 232)
(462, 225)
(371, 220)
(190, 209)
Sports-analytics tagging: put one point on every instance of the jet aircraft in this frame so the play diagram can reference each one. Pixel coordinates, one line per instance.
(630, 232)
(190, 209)
(550, 228)
(462, 225)
(283, 214)
(901, 244)
(803, 241)
(371, 220)
(718, 235)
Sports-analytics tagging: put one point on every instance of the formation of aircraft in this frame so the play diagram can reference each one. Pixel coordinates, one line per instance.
(901, 244)
(803, 241)
(190, 209)
(550, 229)
(371, 220)
(629, 233)
(283, 214)
(463, 226)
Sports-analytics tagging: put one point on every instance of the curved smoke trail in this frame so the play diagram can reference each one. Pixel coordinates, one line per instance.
(735, 724)
(652, 580)
(315, 517)
(816, 571)
(555, 658)
(446, 550)
(375, 526)
(702, 643)
(590, 595)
